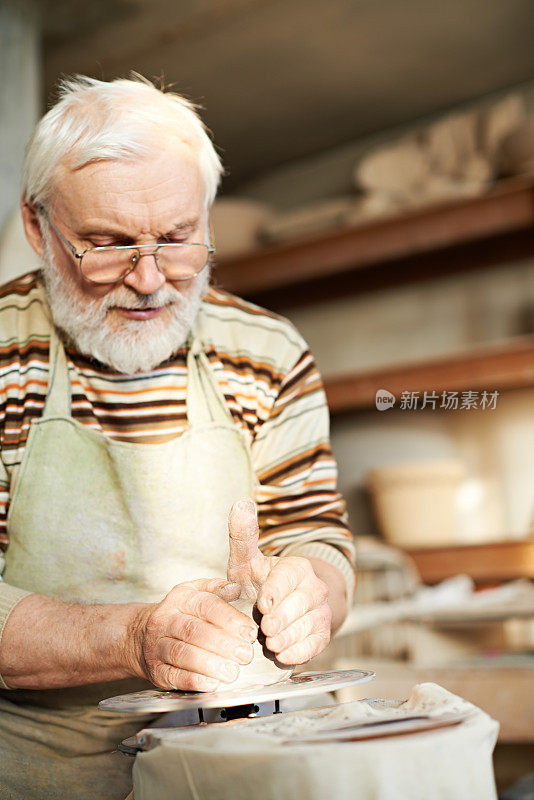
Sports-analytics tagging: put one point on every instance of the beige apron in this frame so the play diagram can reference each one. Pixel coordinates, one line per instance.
(93, 520)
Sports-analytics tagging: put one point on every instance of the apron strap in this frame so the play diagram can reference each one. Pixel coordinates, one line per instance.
(59, 397)
(205, 400)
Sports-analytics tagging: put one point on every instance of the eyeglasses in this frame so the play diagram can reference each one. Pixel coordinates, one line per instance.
(178, 261)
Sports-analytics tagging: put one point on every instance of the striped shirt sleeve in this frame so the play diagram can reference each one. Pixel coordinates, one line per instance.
(300, 510)
(4, 504)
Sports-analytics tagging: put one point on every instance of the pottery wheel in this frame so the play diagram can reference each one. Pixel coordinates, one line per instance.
(304, 683)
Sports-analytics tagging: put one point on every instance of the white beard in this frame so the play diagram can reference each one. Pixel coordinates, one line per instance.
(138, 345)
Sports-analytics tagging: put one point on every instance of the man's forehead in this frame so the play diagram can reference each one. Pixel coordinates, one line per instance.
(163, 188)
(178, 164)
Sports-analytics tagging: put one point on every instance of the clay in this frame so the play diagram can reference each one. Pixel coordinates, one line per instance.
(516, 154)
(243, 530)
(264, 669)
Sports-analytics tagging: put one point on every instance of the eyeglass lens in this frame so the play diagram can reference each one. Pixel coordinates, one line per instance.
(176, 261)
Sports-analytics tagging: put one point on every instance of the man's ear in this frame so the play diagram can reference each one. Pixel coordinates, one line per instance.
(32, 228)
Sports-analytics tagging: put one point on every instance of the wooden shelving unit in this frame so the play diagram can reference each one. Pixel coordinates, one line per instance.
(439, 239)
(509, 365)
(427, 242)
(485, 563)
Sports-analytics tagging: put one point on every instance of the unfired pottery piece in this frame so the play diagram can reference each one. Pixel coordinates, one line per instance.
(516, 154)
(264, 669)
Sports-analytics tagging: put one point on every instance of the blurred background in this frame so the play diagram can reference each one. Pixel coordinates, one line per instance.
(379, 192)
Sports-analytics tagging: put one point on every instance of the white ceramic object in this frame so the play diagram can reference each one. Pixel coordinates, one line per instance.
(264, 669)
(497, 121)
(311, 219)
(516, 153)
(237, 223)
(395, 169)
(416, 502)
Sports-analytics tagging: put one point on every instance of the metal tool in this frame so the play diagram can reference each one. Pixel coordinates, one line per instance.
(378, 729)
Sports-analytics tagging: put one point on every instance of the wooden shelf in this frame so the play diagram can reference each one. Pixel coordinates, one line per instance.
(476, 231)
(485, 563)
(508, 365)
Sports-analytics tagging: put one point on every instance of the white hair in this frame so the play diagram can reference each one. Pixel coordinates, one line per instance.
(122, 119)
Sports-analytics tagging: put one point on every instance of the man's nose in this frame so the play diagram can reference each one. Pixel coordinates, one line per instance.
(145, 278)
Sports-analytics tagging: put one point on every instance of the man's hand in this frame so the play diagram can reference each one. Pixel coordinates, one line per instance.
(292, 599)
(194, 639)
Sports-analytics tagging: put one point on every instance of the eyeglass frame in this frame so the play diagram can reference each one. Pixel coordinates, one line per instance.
(139, 247)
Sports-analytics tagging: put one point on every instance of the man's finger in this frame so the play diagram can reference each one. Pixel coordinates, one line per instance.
(224, 589)
(168, 677)
(209, 607)
(182, 655)
(302, 652)
(288, 573)
(317, 620)
(244, 534)
(229, 592)
(292, 608)
(211, 638)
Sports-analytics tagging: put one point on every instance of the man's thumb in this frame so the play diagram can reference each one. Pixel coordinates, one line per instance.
(244, 534)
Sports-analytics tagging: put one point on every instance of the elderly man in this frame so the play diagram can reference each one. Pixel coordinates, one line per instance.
(138, 405)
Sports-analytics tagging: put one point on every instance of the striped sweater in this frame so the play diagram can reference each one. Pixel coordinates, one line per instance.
(267, 376)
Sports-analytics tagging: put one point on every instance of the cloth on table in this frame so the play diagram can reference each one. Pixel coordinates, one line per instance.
(254, 755)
